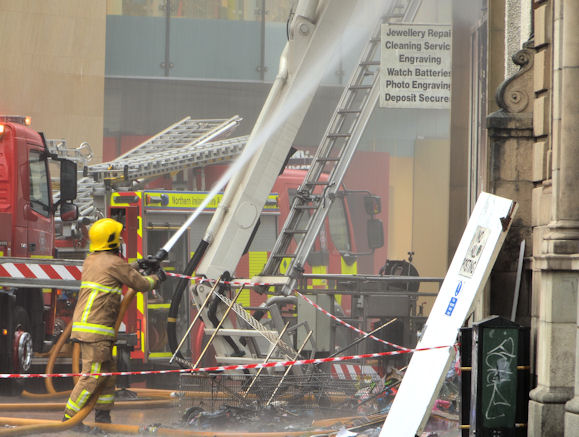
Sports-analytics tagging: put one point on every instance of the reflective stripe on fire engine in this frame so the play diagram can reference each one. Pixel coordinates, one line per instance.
(140, 236)
(93, 328)
(257, 262)
(349, 269)
(159, 306)
(63, 272)
(346, 269)
(141, 316)
(40, 271)
(153, 355)
(319, 283)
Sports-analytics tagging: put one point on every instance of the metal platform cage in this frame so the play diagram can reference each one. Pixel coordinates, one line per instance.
(313, 390)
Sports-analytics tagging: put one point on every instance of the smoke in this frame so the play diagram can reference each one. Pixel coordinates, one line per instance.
(326, 58)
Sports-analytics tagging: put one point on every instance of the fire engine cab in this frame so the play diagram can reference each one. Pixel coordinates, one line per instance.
(27, 216)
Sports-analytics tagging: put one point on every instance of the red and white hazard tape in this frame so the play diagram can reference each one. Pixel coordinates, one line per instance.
(219, 368)
(353, 371)
(40, 271)
(346, 324)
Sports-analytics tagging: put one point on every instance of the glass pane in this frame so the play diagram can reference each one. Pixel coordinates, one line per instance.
(135, 38)
(359, 219)
(39, 195)
(339, 230)
(276, 14)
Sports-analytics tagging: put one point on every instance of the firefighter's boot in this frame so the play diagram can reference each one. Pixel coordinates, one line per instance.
(102, 416)
(79, 427)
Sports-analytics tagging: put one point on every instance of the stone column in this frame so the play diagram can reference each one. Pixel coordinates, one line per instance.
(565, 238)
(557, 261)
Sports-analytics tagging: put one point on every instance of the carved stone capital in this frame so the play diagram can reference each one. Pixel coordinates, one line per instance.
(573, 405)
(552, 395)
(515, 94)
(562, 238)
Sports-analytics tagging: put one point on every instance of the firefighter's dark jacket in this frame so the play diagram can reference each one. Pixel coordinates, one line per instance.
(99, 298)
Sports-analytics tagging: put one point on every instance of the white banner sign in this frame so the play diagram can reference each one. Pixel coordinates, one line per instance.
(415, 67)
(466, 276)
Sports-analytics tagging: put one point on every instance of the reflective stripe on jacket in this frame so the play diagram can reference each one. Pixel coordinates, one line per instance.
(99, 298)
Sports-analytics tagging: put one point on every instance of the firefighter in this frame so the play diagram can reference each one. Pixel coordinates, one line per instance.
(104, 273)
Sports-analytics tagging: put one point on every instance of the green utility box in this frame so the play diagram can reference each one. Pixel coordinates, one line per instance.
(495, 386)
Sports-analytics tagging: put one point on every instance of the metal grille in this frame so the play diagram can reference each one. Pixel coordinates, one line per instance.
(312, 391)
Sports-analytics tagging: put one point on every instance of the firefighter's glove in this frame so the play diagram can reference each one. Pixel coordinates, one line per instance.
(161, 275)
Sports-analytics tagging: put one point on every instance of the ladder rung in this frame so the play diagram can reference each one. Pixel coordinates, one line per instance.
(360, 87)
(338, 135)
(231, 332)
(349, 111)
(295, 231)
(304, 207)
(318, 183)
(369, 63)
(286, 255)
(327, 159)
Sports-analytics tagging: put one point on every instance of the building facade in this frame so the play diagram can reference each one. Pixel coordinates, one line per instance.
(531, 155)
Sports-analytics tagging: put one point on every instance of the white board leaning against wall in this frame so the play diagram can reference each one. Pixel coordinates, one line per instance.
(466, 276)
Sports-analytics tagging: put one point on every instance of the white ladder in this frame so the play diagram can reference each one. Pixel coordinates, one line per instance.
(184, 144)
(328, 167)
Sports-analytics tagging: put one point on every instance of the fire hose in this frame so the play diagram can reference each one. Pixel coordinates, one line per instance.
(78, 417)
(49, 426)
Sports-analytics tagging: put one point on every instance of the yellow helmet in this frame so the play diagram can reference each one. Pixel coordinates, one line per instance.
(105, 234)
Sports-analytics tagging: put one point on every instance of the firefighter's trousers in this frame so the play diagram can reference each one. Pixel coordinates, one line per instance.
(97, 357)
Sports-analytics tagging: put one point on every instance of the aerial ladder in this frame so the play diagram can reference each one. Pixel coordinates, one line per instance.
(313, 24)
(316, 195)
(188, 143)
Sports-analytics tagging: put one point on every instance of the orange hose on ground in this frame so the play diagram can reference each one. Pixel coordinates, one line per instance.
(122, 405)
(51, 426)
(135, 429)
(78, 417)
(170, 432)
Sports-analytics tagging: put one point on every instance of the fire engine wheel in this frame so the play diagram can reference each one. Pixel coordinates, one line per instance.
(22, 351)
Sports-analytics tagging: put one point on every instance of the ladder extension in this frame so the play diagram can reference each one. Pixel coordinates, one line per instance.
(333, 156)
(185, 143)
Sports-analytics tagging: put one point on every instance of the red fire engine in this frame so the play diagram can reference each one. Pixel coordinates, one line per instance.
(27, 220)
